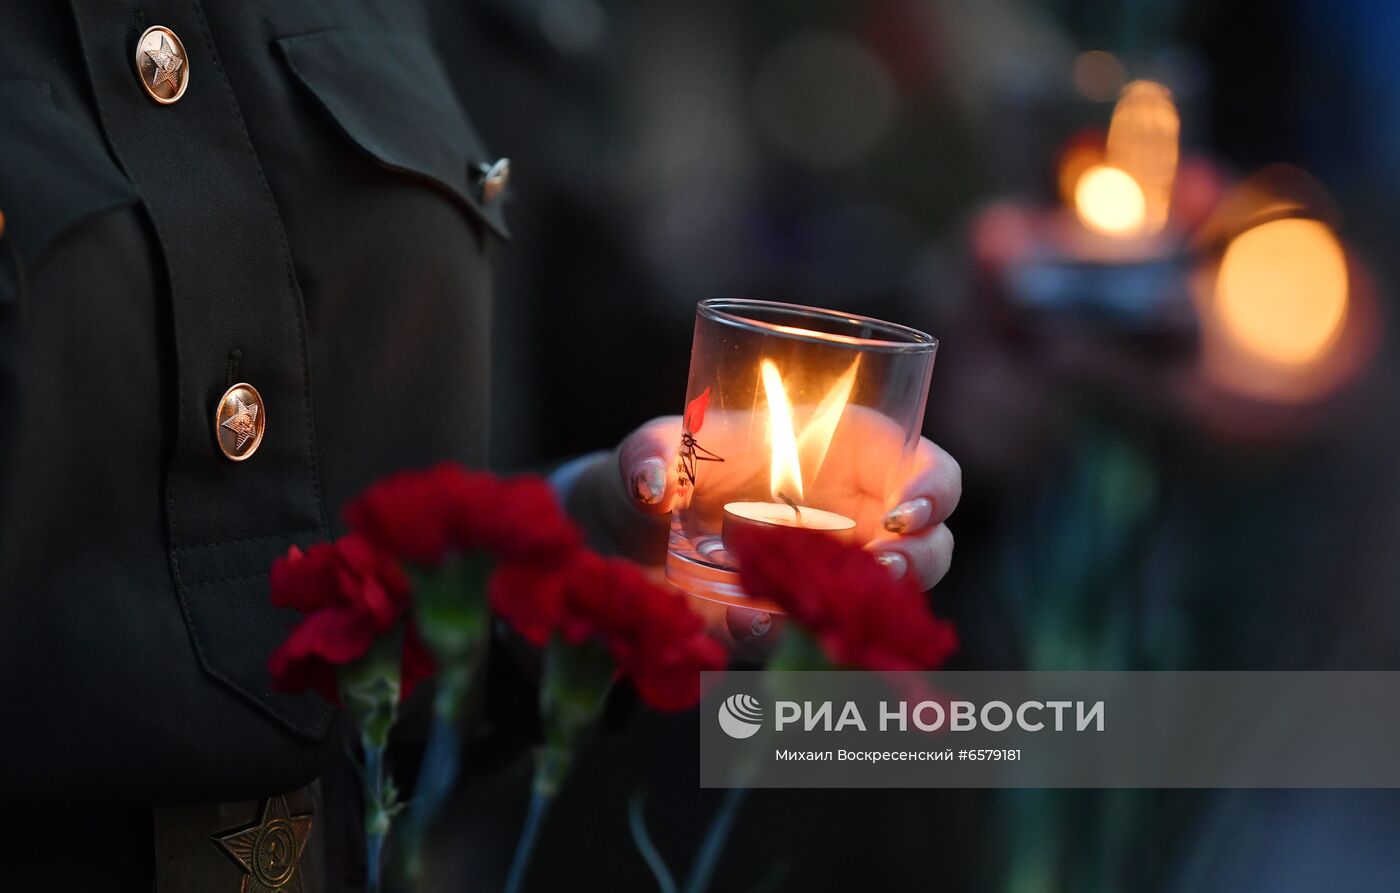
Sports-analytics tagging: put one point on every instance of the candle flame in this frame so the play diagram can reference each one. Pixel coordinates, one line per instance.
(1143, 140)
(1108, 200)
(816, 436)
(785, 472)
(1123, 186)
(789, 448)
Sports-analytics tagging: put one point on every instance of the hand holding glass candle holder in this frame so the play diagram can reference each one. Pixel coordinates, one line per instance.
(794, 417)
(1114, 258)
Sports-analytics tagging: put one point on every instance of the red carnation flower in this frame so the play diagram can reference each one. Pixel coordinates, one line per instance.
(668, 656)
(323, 641)
(650, 631)
(422, 516)
(655, 637)
(515, 519)
(349, 572)
(407, 513)
(862, 617)
(351, 593)
(529, 597)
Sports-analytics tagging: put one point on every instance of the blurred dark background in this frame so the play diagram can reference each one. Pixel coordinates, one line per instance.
(1140, 491)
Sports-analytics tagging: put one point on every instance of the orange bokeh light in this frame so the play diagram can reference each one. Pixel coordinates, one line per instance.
(1281, 292)
(1083, 151)
(1098, 75)
(1108, 200)
(1143, 140)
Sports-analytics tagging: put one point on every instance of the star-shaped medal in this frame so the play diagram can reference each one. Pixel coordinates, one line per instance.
(243, 422)
(167, 64)
(269, 852)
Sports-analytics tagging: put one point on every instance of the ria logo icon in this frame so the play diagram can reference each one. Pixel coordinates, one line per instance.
(741, 716)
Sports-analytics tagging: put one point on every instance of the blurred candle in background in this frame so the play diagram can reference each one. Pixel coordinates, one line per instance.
(1143, 142)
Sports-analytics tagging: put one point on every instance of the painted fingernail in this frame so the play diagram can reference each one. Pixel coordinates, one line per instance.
(908, 516)
(649, 481)
(894, 562)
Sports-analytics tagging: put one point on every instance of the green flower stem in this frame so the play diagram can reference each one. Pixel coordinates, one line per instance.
(551, 764)
(453, 623)
(637, 822)
(377, 818)
(573, 687)
(369, 692)
(437, 776)
(715, 837)
(539, 804)
(797, 651)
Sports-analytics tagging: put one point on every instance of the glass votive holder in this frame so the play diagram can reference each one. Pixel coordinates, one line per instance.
(794, 416)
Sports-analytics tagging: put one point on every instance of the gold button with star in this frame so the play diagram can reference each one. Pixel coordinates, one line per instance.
(239, 421)
(162, 65)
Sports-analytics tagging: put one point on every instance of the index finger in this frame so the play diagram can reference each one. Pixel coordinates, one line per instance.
(930, 492)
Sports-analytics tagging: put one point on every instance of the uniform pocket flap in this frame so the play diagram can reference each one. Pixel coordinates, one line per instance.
(390, 95)
(52, 176)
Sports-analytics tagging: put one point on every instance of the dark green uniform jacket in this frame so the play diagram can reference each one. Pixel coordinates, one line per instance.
(308, 218)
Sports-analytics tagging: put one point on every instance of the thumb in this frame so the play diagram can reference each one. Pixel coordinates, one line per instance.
(646, 461)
